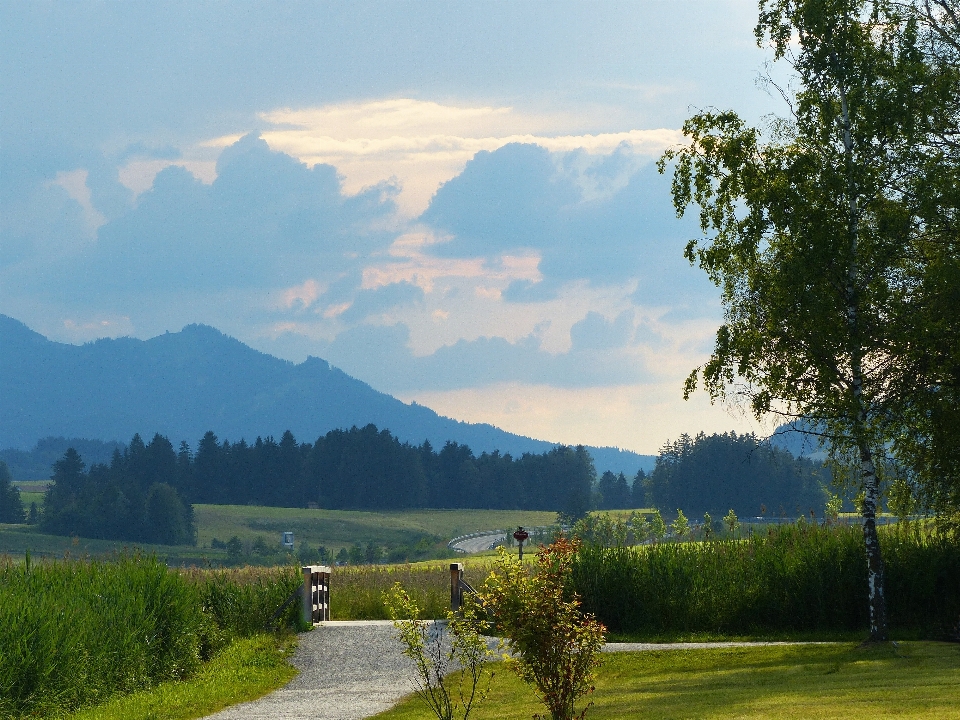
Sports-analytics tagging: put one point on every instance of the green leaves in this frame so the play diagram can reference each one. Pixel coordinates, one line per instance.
(823, 239)
(555, 645)
(435, 655)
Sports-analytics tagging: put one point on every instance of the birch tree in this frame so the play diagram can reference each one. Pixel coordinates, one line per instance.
(814, 234)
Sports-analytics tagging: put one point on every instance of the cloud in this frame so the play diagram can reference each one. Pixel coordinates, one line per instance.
(75, 183)
(410, 261)
(422, 144)
(376, 301)
(266, 221)
(638, 417)
(382, 355)
(522, 197)
(303, 295)
(138, 174)
(596, 332)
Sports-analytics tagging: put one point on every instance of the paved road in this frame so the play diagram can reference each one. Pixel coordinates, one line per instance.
(479, 543)
(352, 670)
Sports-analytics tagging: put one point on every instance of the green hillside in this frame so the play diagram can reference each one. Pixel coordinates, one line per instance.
(334, 529)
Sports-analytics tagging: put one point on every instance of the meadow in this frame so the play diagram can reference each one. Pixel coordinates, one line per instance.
(912, 679)
(423, 531)
(130, 625)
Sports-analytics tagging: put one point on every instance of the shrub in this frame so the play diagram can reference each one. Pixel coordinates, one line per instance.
(435, 655)
(555, 645)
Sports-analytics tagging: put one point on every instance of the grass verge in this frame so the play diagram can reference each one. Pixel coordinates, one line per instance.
(246, 670)
(912, 680)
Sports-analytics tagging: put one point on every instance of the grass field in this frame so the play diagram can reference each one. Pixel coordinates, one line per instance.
(333, 529)
(248, 669)
(16, 540)
(341, 528)
(913, 680)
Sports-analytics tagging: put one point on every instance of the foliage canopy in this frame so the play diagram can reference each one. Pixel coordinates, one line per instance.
(826, 236)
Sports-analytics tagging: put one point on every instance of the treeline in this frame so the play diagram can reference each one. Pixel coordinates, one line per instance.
(146, 491)
(35, 464)
(361, 468)
(369, 469)
(720, 472)
(717, 473)
(11, 507)
(129, 499)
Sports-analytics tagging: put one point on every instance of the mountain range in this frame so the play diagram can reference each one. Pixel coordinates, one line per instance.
(185, 383)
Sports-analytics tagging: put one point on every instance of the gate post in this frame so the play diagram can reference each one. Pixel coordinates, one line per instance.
(456, 592)
(316, 593)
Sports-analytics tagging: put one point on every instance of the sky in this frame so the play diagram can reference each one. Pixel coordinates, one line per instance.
(455, 202)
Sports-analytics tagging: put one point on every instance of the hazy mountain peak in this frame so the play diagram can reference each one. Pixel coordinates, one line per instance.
(183, 384)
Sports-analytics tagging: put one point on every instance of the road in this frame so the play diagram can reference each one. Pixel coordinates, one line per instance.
(479, 543)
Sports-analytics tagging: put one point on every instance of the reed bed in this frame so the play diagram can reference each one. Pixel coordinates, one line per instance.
(76, 632)
(243, 601)
(356, 591)
(791, 578)
(73, 633)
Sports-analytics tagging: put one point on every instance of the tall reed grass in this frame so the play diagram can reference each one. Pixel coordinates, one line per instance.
(791, 578)
(243, 601)
(356, 592)
(75, 632)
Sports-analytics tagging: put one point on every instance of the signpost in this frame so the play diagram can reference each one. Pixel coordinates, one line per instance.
(520, 535)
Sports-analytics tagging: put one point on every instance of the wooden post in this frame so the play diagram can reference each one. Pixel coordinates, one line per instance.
(456, 592)
(316, 593)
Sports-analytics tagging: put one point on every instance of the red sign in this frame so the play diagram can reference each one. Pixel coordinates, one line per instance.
(521, 535)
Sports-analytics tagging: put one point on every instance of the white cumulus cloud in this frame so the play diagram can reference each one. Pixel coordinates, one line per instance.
(422, 144)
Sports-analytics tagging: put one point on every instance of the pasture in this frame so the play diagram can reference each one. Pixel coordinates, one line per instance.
(428, 530)
(341, 528)
(907, 680)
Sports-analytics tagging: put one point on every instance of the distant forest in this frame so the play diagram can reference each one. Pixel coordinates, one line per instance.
(146, 491)
(130, 499)
(37, 464)
(717, 473)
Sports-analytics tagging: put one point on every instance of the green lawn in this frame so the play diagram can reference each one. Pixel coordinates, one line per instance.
(248, 669)
(915, 680)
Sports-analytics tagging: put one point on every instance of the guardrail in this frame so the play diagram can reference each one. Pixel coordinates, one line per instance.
(461, 538)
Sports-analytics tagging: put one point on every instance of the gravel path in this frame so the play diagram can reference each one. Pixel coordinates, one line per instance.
(351, 670)
(348, 671)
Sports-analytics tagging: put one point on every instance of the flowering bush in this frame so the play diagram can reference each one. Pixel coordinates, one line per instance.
(554, 645)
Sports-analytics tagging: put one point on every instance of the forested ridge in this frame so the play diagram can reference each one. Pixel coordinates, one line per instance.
(181, 384)
(146, 491)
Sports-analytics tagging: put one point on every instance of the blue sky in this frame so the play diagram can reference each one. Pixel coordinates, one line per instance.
(453, 201)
